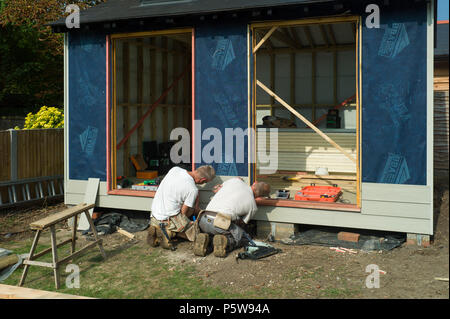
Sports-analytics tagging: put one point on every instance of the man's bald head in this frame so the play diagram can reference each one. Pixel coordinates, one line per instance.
(261, 189)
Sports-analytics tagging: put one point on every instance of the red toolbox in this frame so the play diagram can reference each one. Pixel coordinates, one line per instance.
(319, 193)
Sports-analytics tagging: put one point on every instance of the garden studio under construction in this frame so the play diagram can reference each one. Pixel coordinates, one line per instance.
(330, 102)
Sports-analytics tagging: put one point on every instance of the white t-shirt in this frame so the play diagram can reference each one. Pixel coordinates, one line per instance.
(235, 198)
(176, 188)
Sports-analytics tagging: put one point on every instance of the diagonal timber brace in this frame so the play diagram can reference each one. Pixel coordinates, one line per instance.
(305, 120)
(152, 107)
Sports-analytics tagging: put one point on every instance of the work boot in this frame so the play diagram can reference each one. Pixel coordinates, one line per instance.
(152, 239)
(220, 243)
(201, 244)
(163, 240)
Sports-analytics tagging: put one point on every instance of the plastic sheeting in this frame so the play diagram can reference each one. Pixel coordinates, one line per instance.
(87, 106)
(5, 273)
(394, 98)
(221, 90)
(366, 242)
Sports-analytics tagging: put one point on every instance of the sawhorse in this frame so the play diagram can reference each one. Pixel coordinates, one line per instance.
(50, 222)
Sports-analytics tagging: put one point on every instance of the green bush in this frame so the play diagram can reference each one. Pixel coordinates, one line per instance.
(46, 117)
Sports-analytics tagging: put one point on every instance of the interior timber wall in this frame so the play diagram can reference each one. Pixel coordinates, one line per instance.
(315, 80)
(145, 68)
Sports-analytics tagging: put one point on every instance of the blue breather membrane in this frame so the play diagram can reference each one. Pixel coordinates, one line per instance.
(394, 98)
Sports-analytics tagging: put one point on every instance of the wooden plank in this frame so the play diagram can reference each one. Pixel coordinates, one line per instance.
(150, 33)
(319, 20)
(125, 233)
(268, 34)
(308, 123)
(306, 204)
(60, 216)
(14, 292)
(90, 197)
(38, 263)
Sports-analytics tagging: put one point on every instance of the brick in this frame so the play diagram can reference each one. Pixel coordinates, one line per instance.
(345, 236)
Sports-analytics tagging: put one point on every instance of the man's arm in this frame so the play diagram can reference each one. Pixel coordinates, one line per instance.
(187, 211)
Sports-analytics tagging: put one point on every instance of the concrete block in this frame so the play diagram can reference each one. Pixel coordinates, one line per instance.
(278, 230)
(418, 240)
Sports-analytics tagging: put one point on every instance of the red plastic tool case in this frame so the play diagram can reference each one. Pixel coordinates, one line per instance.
(319, 193)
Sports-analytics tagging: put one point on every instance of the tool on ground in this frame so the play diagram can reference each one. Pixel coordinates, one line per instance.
(257, 251)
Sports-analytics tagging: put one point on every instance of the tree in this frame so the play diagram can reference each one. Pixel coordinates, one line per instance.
(31, 55)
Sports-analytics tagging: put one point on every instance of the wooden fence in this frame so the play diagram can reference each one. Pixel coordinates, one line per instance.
(30, 157)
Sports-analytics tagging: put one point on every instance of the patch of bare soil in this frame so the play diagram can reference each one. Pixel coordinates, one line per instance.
(14, 222)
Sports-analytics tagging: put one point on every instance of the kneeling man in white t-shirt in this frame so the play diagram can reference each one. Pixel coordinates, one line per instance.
(174, 203)
(233, 204)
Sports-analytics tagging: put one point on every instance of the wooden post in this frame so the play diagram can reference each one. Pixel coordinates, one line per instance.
(164, 75)
(32, 250)
(94, 232)
(54, 255)
(313, 86)
(292, 78)
(176, 102)
(74, 234)
(272, 81)
(126, 85)
(140, 92)
(152, 87)
(335, 77)
(301, 117)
